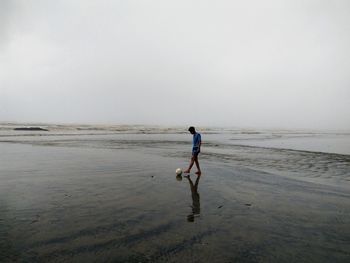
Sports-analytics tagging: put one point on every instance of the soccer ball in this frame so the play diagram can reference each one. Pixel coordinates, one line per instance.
(178, 171)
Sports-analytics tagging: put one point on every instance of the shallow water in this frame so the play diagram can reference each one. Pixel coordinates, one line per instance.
(315, 141)
(115, 198)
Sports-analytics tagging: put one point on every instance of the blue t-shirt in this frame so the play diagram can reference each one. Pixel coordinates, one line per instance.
(196, 140)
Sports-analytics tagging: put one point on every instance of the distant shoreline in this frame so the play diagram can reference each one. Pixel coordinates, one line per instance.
(30, 129)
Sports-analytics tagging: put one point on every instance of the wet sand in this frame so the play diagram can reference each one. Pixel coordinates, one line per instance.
(99, 200)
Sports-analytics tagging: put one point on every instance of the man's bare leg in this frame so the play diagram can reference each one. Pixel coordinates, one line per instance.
(199, 172)
(190, 166)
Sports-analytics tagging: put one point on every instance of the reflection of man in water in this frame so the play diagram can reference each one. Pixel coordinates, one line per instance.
(195, 199)
(196, 149)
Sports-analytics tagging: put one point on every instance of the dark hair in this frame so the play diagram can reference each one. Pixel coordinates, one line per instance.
(191, 129)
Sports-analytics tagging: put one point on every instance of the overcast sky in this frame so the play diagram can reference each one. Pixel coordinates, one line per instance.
(267, 64)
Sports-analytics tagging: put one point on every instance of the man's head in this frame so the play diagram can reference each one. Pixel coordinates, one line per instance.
(192, 130)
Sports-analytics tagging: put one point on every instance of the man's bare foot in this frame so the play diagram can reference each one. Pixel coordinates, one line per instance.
(199, 172)
(187, 171)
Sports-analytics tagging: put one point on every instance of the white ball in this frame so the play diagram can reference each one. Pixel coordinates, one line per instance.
(178, 171)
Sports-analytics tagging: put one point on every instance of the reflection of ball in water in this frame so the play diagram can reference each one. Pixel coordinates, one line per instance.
(178, 171)
(178, 177)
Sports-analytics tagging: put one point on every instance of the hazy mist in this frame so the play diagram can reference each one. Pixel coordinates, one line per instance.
(282, 64)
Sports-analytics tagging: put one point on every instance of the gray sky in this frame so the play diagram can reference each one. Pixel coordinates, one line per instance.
(282, 64)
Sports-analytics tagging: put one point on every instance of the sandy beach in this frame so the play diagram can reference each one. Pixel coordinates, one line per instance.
(107, 195)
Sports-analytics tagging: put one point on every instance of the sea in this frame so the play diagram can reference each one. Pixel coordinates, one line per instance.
(322, 156)
(109, 193)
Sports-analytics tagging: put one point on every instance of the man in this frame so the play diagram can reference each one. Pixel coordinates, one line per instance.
(197, 141)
